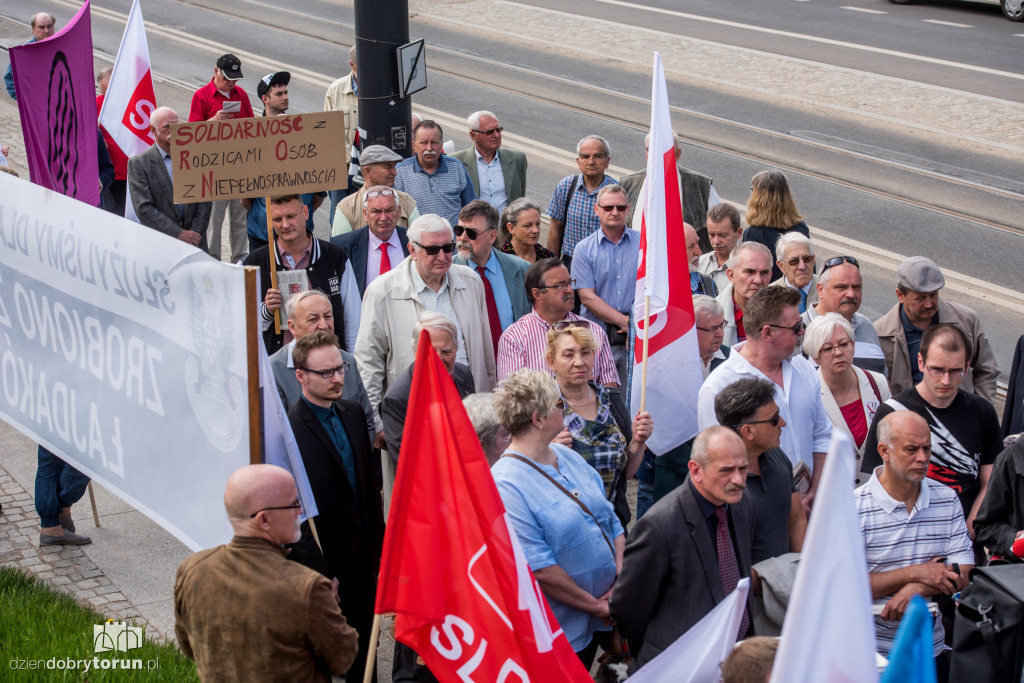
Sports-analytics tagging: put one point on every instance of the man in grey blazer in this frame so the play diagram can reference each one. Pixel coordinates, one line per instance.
(680, 561)
(150, 183)
(503, 274)
(498, 175)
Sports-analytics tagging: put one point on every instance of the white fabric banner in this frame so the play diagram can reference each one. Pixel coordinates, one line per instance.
(829, 630)
(122, 350)
(130, 97)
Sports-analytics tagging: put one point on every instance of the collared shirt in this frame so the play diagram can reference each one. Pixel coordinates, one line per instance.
(707, 368)
(169, 165)
(581, 220)
(707, 264)
(697, 285)
(913, 333)
(444, 192)
(707, 508)
(525, 345)
(290, 261)
(332, 425)
(772, 493)
(373, 256)
(256, 219)
(207, 101)
(609, 268)
(808, 428)
(895, 538)
(492, 181)
(440, 302)
(501, 296)
(599, 441)
(553, 529)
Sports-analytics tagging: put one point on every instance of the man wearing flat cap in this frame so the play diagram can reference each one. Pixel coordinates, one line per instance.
(918, 281)
(377, 166)
(215, 101)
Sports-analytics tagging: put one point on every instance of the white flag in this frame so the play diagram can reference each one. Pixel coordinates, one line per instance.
(674, 373)
(696, 655)
(829, 630)
(130, 97)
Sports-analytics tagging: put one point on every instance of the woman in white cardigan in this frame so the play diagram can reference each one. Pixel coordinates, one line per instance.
(851, 395)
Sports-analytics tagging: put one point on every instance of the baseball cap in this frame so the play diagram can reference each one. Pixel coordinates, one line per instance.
(272, 79)
(920, 274)
(377, 154)
(230, 66)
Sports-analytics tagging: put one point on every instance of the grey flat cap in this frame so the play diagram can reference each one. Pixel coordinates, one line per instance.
(920, 274)
(377, 154)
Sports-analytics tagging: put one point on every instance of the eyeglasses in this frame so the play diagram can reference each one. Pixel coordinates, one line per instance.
(296, 505)
(613, 207)
(378, 193)
(434, 249)
(330, 372)
(471, 233)
(714, 328)
(842, 346)
(490, 131)
(563, 325)
(559, 285)
(773, 421)
(939, 373)
(807, 258)
(795, 329)
(839, 260)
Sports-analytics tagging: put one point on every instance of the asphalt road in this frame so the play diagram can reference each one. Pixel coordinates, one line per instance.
(913, 182)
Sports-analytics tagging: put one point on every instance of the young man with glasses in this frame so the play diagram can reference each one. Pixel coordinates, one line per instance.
(498, 173)
(965, 432)
(336, 451)
(774, 328)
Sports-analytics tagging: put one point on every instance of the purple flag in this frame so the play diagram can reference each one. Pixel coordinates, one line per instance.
(57, 104)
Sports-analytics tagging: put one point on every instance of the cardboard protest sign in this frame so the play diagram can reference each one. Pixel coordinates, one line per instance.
(258, 157)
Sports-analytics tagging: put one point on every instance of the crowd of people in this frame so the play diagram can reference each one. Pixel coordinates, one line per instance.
(536, 340)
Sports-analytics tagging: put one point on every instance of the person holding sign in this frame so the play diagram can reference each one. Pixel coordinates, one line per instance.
(303, 262)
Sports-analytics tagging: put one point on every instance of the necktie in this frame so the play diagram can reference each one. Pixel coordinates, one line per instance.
(728, 567)
(803, 301)
(385, 260)
(492, 308)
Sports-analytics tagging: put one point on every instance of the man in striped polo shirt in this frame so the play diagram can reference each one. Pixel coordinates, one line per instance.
(439, 183)
(915, 537)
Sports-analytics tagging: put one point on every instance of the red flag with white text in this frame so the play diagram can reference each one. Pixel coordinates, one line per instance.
(130, 97)
(674, 373)
(452, 569)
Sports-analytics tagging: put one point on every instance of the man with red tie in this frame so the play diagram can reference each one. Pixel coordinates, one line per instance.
(502, 274)
(383, 245)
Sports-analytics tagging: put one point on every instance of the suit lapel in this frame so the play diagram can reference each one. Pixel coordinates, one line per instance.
(163, 180)
(702, 541)
(325, 440)
(404, 240)
(507, 172)
(359, 259)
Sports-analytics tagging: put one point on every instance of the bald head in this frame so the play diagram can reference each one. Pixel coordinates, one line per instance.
(255, 488)
(905, 444)
(43, 26)
(160, 125)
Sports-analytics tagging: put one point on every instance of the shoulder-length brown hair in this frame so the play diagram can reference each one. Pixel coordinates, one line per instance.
(771, 203)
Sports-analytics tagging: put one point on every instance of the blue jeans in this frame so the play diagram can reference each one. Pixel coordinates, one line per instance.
(644, 498)
(58, 486)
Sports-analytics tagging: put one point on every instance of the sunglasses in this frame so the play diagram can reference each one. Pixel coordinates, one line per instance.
(614, 207)
(490, 131)
(795, 329)
(471, 233)
(807, 258)
(564, 325)
(434, 249)
(773, 421)
(838, 260)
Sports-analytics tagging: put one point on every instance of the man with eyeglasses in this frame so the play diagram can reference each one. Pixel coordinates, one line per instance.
(501, 274)
(572, 205)
(43, 26)
(498, 173)
(426, 281)
(604, 266)
(918, 281)
(965, 433)
(224, 597)
(524, 344)
(325, 264)
(748, 407)
(796, 261)
(840, 286)
(331, 435)
(381, 244)
(774, 329)
(377, 166)
(438, 183)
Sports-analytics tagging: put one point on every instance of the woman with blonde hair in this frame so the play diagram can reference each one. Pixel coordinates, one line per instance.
(771, 213)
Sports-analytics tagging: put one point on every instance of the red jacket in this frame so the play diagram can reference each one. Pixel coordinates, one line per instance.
(207, 101)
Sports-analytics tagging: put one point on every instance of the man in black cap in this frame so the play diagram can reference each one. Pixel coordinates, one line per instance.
(918, 281)
(273, 91)
(215, 101)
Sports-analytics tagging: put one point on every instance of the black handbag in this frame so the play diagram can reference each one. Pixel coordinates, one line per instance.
(988, 630)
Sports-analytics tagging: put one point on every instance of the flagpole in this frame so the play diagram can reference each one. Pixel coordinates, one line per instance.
(273, 261)
(371, 655)
(253, 365)
(643, 381)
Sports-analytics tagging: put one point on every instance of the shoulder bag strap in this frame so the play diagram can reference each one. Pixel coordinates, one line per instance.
(874, 386)
(566, 492)
(568, 198)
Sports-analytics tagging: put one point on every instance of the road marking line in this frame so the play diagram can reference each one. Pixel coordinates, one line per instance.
(864, 9)
(946, 23)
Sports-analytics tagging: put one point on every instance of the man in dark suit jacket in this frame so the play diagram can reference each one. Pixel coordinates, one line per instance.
(150, 182)
(336, 451)
(486, 156)
(680, 561)
(365, 248)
